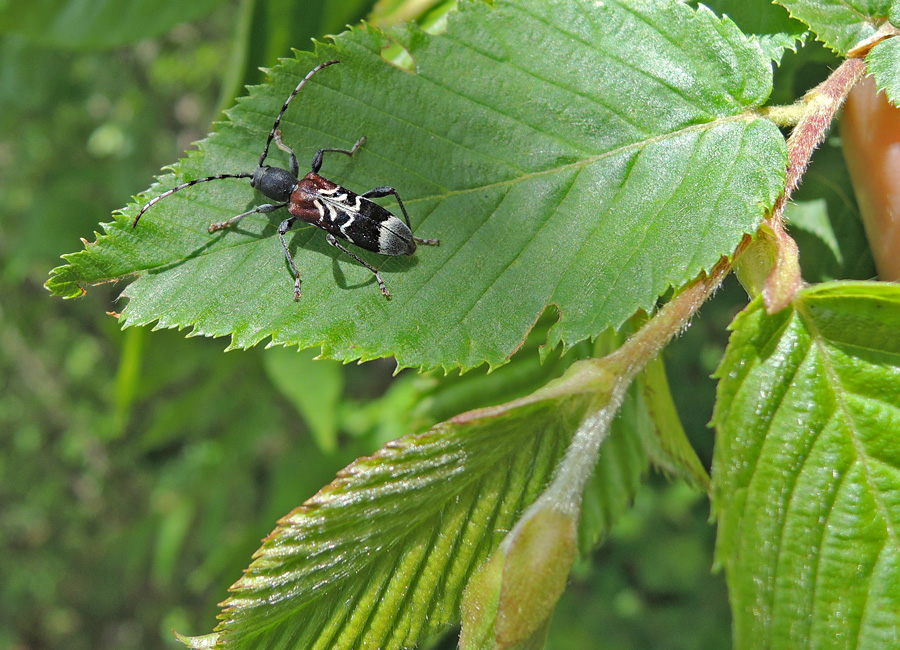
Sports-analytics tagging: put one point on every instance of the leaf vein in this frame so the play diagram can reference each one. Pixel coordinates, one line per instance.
(852, 426)
(819, 550)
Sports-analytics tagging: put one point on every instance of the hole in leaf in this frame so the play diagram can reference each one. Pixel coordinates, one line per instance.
(398, 56)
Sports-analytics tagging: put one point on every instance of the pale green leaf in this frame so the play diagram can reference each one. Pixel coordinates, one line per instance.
(98, 23)
(379, 558)
(582, 155)
(204, 642)
(509, 602)
(840, 24)
(806, 474)
(884, 63)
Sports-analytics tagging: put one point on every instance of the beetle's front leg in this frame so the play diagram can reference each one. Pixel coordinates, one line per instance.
(262, 209)
(317, 158)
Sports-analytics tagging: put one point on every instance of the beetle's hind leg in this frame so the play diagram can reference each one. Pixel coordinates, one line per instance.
(334, 242)
(379, 192)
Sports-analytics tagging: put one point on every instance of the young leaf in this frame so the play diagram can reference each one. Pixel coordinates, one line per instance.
(509, 602)
(582, 155)
(380, 557)
(838, 23)
(807, 470)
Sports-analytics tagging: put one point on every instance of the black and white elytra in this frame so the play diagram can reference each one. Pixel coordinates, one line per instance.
(342, 214)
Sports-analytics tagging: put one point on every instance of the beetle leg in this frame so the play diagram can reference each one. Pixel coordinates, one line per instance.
(379, 192)
(295, 166)
(317, 159)
(334, 242)
(262, 209)
(282, 230)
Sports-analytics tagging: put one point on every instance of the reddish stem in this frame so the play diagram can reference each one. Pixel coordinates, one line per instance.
(824, 101)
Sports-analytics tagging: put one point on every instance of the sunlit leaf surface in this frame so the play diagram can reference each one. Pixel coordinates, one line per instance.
(806, 474)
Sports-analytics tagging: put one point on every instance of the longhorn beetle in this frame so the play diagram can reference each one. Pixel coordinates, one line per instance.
(342, 214)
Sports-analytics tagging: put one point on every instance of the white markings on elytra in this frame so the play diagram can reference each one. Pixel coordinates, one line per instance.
(351, 217)
(387, 238)
(320, 208)
(332, 213)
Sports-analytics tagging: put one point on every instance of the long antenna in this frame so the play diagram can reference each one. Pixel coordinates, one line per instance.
(262, 157)
(181, 187)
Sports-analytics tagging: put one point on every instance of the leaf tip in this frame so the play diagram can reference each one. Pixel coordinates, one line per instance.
(198, 642)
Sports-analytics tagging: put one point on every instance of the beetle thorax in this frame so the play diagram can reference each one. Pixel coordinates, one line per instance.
(274, 182)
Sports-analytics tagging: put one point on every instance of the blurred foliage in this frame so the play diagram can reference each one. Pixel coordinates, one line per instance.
(138, 470)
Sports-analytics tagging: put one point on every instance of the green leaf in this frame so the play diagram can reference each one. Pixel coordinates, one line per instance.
(380, 557)
(884, 64)
(774, 29)
(840, 24)
(634, 164)
(664, 436)
(314, 387)
(99, 23)
(807, 470)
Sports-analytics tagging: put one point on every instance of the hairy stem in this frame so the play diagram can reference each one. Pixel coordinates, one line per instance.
(821, 105)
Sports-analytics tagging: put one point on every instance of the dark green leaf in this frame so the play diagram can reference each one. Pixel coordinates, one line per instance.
(314, 387)
(662, 432)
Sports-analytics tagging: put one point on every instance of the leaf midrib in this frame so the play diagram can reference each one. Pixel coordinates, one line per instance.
(579, 164)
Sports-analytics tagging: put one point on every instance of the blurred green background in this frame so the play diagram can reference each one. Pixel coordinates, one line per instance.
(139, 469)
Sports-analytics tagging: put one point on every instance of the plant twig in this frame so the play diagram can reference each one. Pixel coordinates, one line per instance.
(822, 104)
